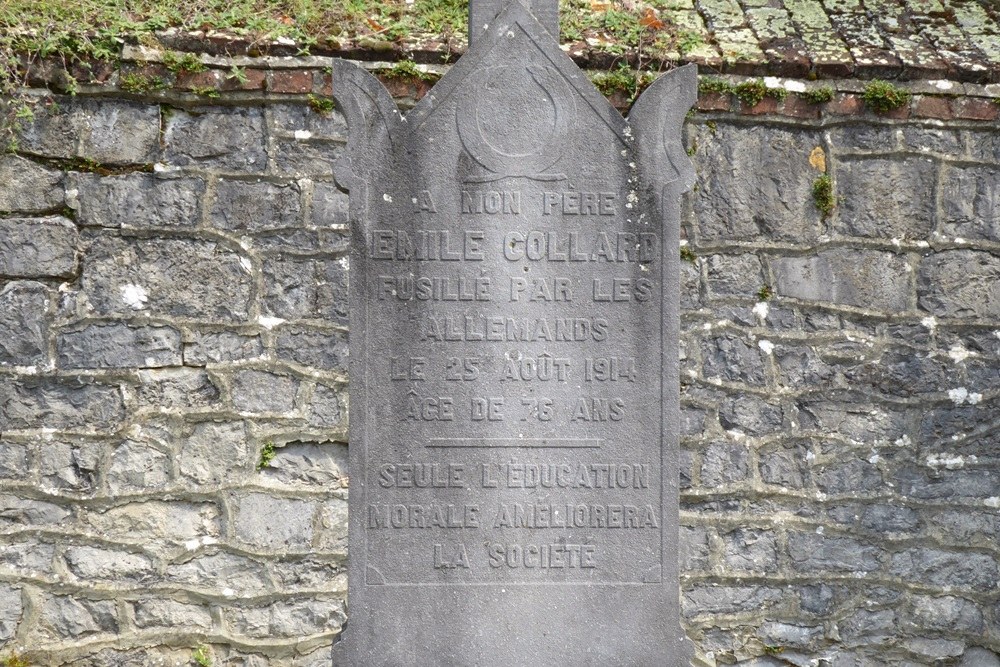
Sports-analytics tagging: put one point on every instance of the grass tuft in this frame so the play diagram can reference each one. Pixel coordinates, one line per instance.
(882, 96)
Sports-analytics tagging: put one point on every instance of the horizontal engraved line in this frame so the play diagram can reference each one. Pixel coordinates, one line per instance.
(531, 443)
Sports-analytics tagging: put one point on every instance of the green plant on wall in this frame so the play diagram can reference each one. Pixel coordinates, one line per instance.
(822, 191)
(882, 96)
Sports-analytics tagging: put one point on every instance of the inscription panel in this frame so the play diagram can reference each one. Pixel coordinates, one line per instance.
(513, 362)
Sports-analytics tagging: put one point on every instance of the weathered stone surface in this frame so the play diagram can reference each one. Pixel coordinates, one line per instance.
(215, 453)
(38, 247)
(68, 466)
(263, 392)
(323, 465)
(166, 277)
(329, 205)
(95, 564)
(960, 283)
(220, 347)
(707, 599)
(24, 324)
(738, 275)
(155, 613)
(327, 350)
(785, 464)
(27, 186)
(25, 512)
(886, 198)
(863, 278)
(947, 613)
(943, 568)
(219, 138)
(755, 182)
(733, 359)
(138, 201)
(724, 463)
(10, 611)
(327, 407)
(248, 207)
(299, 119)
(274, 523)
(221, 574)
(26, 558)
(104, 131)
(306, 288)
(177, 389)
(59, 404)
(137, 466)
(119, 346)
(811, 552)
(289, 619)
(750, 550)
(150, 522)
(69, 617)
(13, 460)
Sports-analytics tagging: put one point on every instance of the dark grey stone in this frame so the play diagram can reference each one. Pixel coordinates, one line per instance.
(960, 283)
(750, 550)
(166, 277)
(306, 289)
(264, 392)
(733, 359)
(864, 278)
(811, 552)
(326, 350)
(213, 347)
(119, 346)
(886, 198)
(975, 571)
(724, 463)
(24, 324)
(138, 201)
(70, 403)
(38, 247)
(481, 286)
(249, 207)
(734, 275)
(225, 139)
(27, 186)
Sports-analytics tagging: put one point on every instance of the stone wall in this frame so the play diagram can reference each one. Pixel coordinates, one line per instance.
(173, 383)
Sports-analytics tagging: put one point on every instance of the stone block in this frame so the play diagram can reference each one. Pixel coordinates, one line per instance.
(68, 466)
(971, 205)
(104, 131)
(288, 619)
(10, 611)
(119, 346)
(155, 523)
(733, 359)
(330, 206)
(889, 519)
(13, 460)
(226, 139)
(960, 283)
(865, 627)
(711, 599)
(221, 573)
(248, 207)
(816, 599)
(214, 347)
(750, 550)
(332, 534)
(306, 289)
(318, 464)
(946, 613)
(263, 392)
(24, 324)
(69, 617)
(91, 564)
(270, 522)
(215, 453)
(326, 350)
(327, 408)
(733, 275)
(27, 186)
(751, 415)
(695, 548)
(922, 483)
(774, 633)
(848, 276)
(312, 159)
(170, 614)
(137, 466)
(59, 403)
(883, 198)
(38, 247)
(756, 182)
(852, 476)
(176, 388)
(29, 513)
(138, 201)
(811, 552)
(724, 463)
(298, 119)
(785, 465)
(936, 567)
(800, 366)
(167, 278)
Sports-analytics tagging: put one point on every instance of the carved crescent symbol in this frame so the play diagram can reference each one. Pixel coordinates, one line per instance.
(499, 163)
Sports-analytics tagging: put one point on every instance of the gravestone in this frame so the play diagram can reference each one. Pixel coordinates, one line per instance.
(514, 388)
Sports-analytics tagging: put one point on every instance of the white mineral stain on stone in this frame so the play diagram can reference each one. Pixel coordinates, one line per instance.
(923, 244)
(942, 84)
(958, 395)
(993, 501)
(904, 441)
(345, 262)
(228, 592)
(819, 530)
(929, 322)
(245, 263)
(960, 240)
(874, 458)
(958, 353)
(303, 134)
(795, 86)
(135, 296)
(269, 322)
(766, 345)
(761, 309)
(387, 198)
(974, 398)
(949, 461)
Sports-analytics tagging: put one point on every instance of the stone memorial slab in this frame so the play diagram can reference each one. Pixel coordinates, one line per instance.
(514, 388)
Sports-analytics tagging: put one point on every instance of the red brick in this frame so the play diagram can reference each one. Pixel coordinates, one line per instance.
(899, 113)
(292, 81)
(326, 85)
(254, 80)
(844, 105)
(192, 80)
(714, 102)
(929, 106)
(797, 107)
(765, 106)
(976, 108)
